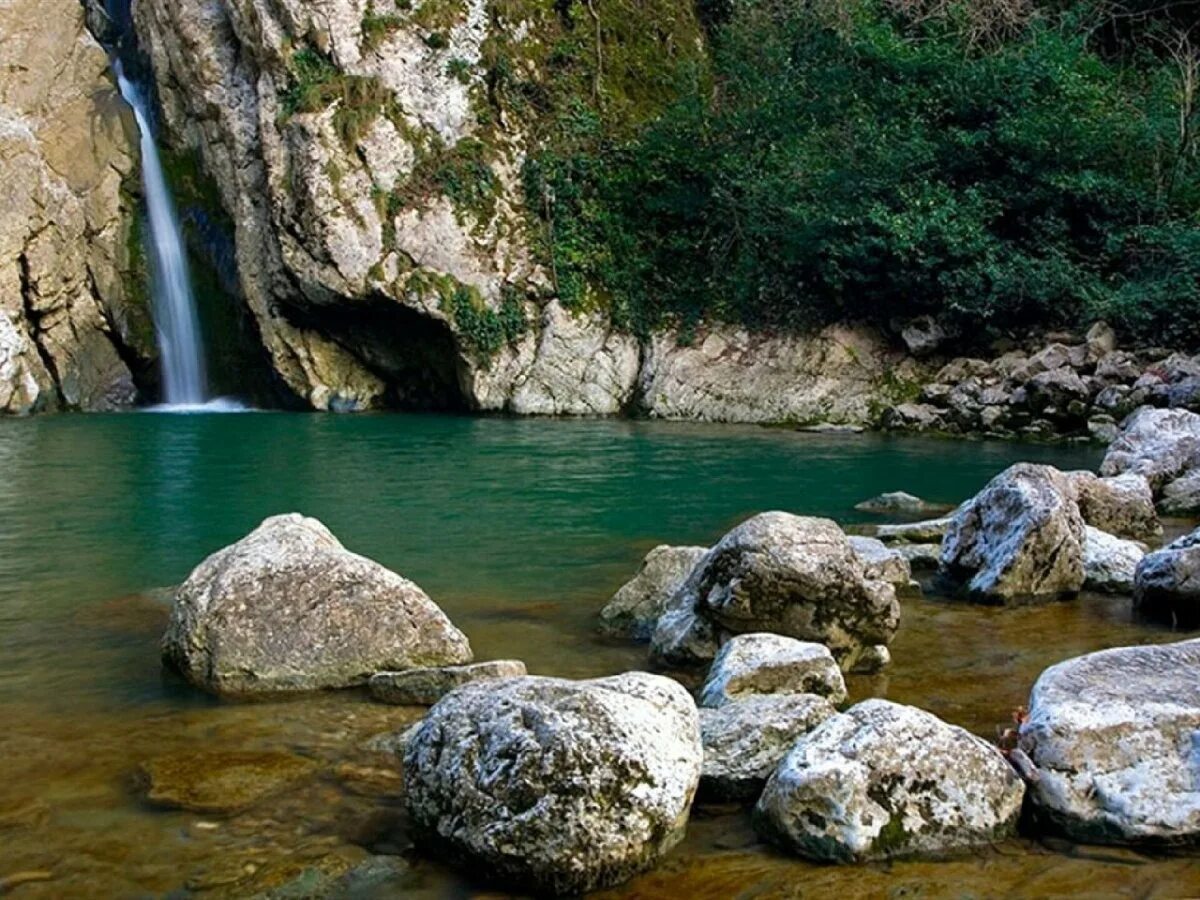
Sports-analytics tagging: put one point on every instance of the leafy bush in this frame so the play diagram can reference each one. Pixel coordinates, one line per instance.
(875, 159)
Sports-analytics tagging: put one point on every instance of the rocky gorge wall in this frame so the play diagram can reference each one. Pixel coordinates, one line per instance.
(373, 178)
(72, 334)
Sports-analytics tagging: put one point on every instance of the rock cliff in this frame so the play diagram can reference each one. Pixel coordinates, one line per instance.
(72, 335)
(370, 156)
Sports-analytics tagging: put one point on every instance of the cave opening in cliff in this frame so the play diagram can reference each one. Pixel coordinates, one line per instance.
(415, 354)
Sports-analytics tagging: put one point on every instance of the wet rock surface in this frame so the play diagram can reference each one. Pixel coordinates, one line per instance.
(288, 608)
(1112, 735)
(552, 785)
(884, 780)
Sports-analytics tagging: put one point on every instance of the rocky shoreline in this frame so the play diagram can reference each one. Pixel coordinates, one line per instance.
(559, 786)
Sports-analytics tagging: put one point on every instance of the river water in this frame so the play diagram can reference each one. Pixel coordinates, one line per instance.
(520, 530)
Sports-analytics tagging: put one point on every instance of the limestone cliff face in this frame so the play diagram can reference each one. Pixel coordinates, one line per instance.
(374, 181)
(69, 331)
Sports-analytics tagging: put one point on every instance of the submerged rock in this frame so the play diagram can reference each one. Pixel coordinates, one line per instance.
(1021, 537)
(426, 686)
(555, 786)
(1161, 444)
(751, 664)
(637, 606)
(789, 575)
(900, 503)
(884, 780)
(218, 782)
(1109, 562)
(1167, 583)
(745, 738)
(1113, 737)
(289, 608)
(1122, 505)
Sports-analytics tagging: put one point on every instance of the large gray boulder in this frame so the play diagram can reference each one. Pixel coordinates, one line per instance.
(1110, 562)
(555, 786)
(288, 608)
(1167, 583)
(790, 575)
(1122, 505)
(751, 664)
(682, 637)
(1020, 538)
(637, 606)
(884, 780)
(1161, 444)
(1113, 737)
(745, 739)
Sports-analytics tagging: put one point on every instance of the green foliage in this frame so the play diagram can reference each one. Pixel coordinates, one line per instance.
(317, 84)
(460, 173)
(377, 27)
(486, 331)
(850, 159)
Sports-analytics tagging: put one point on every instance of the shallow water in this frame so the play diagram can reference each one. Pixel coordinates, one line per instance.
(520, 529)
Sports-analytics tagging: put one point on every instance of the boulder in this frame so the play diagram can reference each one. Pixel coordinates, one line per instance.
(1113, 737)
(1167, 583)
(1020, 538)
(1118, 367)
(682, 637)
(912, 417)
(555, 786)
(288, 608)
(1122, 505)
(883, 563)
(1161, 444)
(1181, 497)
(1055, 389)
(884, 780)
(1101, 340)
(923, 336)
(900, 503)
(751, 664)
(426, 686)
(745, 739)
(1109, 563)
(790, 575)
(637, 606)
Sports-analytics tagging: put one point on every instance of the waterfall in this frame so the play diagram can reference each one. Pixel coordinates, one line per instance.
(180, 346)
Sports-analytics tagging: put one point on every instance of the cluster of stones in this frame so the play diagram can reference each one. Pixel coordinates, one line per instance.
(1080, 389)
(561, 786)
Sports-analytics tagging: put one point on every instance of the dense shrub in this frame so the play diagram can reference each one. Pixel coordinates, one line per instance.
(885, 158)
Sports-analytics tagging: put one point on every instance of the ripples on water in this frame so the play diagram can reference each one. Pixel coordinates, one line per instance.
(520, 529)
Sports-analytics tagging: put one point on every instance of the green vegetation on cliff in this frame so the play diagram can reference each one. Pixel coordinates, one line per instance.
(1000, 164)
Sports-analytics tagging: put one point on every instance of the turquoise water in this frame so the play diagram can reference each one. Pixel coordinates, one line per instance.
(520, 530)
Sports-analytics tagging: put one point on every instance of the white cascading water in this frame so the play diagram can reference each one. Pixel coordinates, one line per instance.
(184, 379)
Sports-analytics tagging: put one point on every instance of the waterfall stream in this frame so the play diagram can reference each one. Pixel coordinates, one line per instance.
(176, 321)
